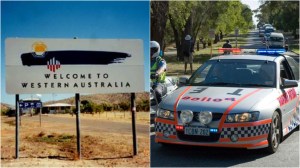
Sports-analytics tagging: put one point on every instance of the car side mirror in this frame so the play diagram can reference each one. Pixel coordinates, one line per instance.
(183, 80)
(289, 83)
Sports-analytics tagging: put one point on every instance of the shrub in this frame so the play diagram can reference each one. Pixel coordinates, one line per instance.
(4, 111)
(124, 106)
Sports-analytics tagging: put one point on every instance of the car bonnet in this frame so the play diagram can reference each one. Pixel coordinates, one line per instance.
(216, 99)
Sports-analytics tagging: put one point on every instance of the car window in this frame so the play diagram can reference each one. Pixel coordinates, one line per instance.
(284, 71)
(235, 73)
(294, 66)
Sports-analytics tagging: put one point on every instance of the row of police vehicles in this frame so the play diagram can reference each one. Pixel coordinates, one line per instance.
(271, 37)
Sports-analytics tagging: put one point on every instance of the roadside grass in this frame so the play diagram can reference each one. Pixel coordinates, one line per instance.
(116, 116)
(10, 122)
(295, 48)
(176, 67)
(53, 138)
(64, 145)
(292, 42)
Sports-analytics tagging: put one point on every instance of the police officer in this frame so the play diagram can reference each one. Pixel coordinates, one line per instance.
(188, 49)
(227, 45)
(158, 71)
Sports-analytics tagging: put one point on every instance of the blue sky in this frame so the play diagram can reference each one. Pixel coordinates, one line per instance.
(101, 20)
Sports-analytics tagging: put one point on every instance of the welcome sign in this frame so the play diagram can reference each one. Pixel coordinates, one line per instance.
(74, 66)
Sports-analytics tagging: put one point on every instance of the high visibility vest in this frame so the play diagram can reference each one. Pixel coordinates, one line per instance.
(162, 76)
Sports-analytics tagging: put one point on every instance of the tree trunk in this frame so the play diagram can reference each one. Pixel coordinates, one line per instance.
(176, 36)
(221, 35)
(187, 31)
(159, 17)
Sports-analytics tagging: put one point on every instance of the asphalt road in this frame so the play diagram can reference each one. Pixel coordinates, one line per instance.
(190, 156)
(253, 41)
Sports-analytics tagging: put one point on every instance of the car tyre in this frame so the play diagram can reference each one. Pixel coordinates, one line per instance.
(275, 133)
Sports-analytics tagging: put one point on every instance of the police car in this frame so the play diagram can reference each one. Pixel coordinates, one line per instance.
(242, 101)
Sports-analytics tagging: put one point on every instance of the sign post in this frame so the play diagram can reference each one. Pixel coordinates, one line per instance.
(77, 101)
(133, 114)
(40, 117)
(236, 32)
(17, 125)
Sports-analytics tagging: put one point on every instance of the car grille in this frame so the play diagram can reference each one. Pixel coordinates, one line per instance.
(195, 138)
(215, 116)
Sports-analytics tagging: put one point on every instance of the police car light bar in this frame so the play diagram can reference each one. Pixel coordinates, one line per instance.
(270, 51)
(232, 50)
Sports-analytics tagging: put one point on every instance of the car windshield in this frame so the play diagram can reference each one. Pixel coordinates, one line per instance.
(280, 39)
(235, 73)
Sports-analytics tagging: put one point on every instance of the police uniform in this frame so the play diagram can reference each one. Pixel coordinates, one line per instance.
(158, 83)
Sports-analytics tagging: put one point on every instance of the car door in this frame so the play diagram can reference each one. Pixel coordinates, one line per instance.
(289, 101)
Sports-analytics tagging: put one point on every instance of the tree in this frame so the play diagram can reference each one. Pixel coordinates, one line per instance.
(284, 15)
(87, 106)
(187, 17)
(159, 16)
(172, 21)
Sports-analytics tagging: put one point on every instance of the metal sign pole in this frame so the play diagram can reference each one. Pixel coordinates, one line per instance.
(20, 118)
(77, 100)
(40, 117)
(236, 32)
(236, 41)
(17, 126)
(133, 114)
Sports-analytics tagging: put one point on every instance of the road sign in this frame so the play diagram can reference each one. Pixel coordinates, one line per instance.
(211, 33)
(74, 66)
(236, 32)
(30, 104)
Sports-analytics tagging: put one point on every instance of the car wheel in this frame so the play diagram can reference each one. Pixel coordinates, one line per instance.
(275, 133)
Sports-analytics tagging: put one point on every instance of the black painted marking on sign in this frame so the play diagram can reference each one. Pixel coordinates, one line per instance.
(236, 92)
(73, 57)
(198, 90)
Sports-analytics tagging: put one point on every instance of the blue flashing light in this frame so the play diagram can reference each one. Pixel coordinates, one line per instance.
(213, 130)
(270, 51)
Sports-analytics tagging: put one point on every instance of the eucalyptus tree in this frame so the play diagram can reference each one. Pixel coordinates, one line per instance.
(284, 15)
(159, 17)
(171, 21)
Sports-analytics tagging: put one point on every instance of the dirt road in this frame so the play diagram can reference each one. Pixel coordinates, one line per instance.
(104, 141)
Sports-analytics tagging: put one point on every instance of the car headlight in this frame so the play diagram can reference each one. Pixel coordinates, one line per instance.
(186, 116)
(205, 117)
(167, 114)
(242, 117)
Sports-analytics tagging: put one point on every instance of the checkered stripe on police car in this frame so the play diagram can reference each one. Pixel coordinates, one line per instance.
(245, 131)
(161, 127)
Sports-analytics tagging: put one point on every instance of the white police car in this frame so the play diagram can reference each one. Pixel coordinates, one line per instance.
(244, 101)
